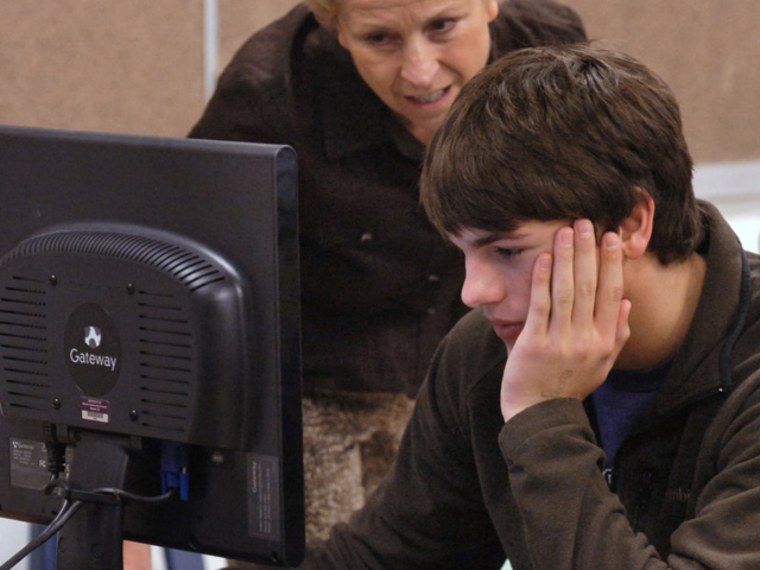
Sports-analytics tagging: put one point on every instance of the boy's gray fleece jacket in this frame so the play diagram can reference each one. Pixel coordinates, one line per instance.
(468, 490)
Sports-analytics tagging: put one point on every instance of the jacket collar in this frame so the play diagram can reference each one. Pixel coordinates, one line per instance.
(700, 366)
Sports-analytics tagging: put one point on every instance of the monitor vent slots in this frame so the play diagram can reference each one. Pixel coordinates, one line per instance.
(23, 344)
(166, 361)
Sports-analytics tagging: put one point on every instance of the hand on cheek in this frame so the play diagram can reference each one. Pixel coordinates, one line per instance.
(577, 321)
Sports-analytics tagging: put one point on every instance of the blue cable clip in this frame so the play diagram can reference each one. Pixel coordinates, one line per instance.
(174, 471)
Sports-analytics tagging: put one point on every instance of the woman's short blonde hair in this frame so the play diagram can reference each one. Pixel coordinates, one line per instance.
(326, 12)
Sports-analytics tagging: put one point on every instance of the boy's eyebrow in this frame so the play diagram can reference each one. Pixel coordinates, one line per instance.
(496, 236)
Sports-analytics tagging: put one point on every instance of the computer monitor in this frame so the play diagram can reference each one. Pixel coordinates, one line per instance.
(150, 343)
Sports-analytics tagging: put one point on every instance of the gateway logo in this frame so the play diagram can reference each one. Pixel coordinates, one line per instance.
(92, 359)
(92, 347)
(92, 336)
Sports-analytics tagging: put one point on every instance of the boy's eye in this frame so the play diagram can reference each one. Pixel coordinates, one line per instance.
(509, 252)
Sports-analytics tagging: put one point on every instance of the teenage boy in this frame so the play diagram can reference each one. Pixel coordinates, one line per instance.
(600, 407)
(358, 87)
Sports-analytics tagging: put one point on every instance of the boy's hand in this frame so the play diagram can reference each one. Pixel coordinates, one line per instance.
(577, 322)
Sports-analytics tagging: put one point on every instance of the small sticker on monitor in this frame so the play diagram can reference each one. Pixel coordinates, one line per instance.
(28, 460)
(95, 410)
(263, 497)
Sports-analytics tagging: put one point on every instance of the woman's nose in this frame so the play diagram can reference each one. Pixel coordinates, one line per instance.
(419, 63)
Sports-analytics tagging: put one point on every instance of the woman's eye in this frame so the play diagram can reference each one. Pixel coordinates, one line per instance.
(378, 39)
(442, 26)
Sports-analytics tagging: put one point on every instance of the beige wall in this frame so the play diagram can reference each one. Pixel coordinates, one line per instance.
(238, 18)
(137, 66)
(132, 66)
(709, 53)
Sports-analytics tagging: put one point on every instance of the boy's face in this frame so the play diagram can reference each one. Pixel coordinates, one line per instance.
(498, 270)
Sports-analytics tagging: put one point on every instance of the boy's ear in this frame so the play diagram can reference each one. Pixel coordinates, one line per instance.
(636, 229)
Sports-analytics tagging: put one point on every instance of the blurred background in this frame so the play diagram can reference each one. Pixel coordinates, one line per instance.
(148, 67)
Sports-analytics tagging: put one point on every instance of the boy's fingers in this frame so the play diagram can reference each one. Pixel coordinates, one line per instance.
(563, 280)
(609, 294)
(623, 328)
(537, 320)
(585, 273)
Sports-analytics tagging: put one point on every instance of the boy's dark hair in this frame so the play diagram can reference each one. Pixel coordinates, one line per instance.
(563, 132)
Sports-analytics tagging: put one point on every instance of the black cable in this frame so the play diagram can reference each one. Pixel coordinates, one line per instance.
(69, 510)
(64, 515)
(119, 494)
(122, 494)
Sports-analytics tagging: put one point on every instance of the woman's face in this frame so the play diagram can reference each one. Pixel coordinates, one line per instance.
(416, 55)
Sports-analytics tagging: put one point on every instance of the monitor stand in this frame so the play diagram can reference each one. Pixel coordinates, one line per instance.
(92, 538)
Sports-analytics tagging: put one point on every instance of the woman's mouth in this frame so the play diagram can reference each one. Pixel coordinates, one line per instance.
(428, 98)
